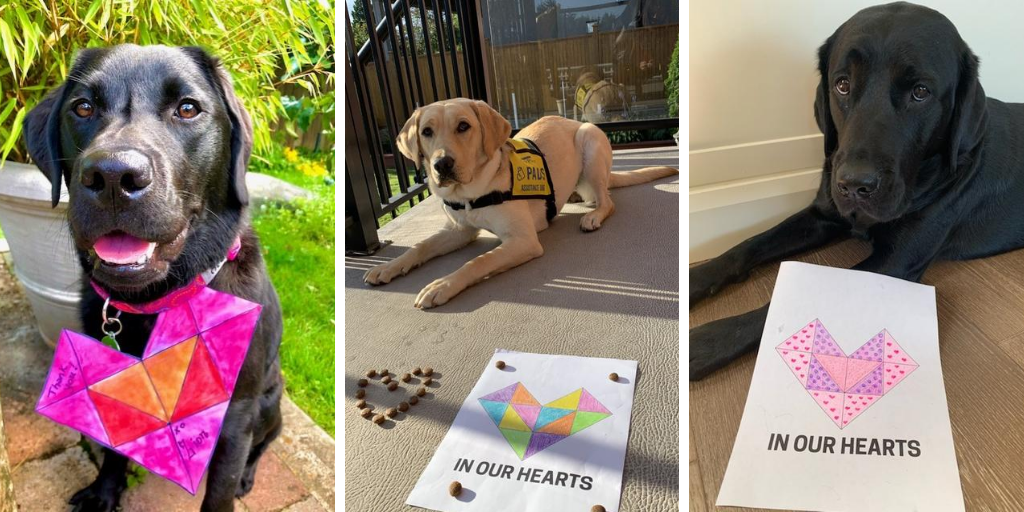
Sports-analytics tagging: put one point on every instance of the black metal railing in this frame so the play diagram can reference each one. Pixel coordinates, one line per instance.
(416, 52)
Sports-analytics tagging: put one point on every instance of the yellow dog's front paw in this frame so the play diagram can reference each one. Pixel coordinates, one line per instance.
(436, 293)
(383, 273)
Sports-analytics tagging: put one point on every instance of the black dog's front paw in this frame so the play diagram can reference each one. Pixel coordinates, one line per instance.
(716, 344)
(701, 286)
(247, 481)
(708, 279)
(708, 345)
(97, 497)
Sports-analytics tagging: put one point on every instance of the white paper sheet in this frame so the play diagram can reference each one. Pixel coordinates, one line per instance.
(893, 448)
(529, 465)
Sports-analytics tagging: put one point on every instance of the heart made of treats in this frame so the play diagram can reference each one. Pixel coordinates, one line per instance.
(845, 386)
(530, 427)
(399, 391)
(165, 410)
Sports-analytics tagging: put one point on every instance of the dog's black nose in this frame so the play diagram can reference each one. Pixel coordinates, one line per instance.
(116, 175)
(861, 183)
(444, 165)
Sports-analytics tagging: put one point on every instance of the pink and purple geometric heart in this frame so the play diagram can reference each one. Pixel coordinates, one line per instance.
(844, 386)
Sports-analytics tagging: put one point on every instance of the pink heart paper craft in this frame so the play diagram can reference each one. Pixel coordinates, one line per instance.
(165, 410)
(844, 386)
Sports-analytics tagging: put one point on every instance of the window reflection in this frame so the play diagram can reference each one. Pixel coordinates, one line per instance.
(590, 60)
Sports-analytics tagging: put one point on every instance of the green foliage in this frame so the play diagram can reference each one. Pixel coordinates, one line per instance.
(672, 83)
(624, 136)
(306, 169)
(136, 475)
(265, 44)
(298, 246)
(359, 33)
(627, 136)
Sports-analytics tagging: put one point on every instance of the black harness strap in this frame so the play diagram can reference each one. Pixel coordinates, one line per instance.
(498, 197)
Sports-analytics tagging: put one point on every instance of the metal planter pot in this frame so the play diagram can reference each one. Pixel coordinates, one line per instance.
(44, 257)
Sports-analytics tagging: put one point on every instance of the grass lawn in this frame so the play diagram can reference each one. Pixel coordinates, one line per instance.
(393, 178)
(298, 245)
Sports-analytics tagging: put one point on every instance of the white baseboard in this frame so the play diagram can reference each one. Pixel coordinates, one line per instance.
(739, 191)
(762, 158)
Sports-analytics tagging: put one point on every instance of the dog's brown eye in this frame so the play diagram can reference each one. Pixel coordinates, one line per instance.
(843, 86)
(83, 109)
(463, 126)
(921, 93)
(187, 110)
(427, 132)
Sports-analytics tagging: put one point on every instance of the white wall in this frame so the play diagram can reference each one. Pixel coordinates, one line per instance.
(755, 151)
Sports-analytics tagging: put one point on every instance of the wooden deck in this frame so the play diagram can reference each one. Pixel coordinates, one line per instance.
(981, 332)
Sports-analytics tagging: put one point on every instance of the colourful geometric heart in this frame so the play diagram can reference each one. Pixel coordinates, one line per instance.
(844, 386)
(165, 410)
(530, 427)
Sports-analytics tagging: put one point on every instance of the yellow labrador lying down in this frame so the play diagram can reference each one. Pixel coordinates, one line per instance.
(466, 148)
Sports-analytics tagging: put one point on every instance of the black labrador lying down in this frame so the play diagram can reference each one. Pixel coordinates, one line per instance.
(153, 145)
(917, 160)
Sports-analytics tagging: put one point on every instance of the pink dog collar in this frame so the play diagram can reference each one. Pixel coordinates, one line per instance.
(176, 297)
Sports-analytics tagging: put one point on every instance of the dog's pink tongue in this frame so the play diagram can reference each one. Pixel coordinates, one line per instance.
(122, 249)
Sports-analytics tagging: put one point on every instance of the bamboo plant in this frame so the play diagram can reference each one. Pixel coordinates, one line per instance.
(265, 44)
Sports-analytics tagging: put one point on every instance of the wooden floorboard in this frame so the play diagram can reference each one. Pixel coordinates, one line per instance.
(981, 330)
(983, 388)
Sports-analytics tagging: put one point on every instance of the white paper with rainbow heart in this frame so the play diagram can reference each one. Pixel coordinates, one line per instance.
(546, 432)
(864, 350)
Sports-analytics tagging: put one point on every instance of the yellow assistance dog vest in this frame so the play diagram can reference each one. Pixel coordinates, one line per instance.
(581, 93)
(530, 179)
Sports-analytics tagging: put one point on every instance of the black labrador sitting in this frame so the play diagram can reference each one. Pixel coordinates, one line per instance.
(153, 145)
(917, 160)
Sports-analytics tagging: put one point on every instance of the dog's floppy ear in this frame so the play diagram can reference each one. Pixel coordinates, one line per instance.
(42, 127)
(967, 124)
(241, 136)
(496, 129)
(409, 138)
(822, 110)
(42, 139)
(241, 124)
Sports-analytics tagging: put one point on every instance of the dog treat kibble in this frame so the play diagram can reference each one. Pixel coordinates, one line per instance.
(413, 400)
(386, 379)
(597, 508)
(421, 391)
(500, 365)
(360, 393)
(371, 374)
(417, 371)
(391, 412)
(378, 419)
(614, 376)
(404, 406)
(427, 381)
(360, 404)
(406, 377)
(428, 371)
(455, 488)
(365, 412)
(363, 383)
(384, 372)
(393, 386)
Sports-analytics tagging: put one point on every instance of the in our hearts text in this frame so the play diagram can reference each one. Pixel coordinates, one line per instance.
(844, 445)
